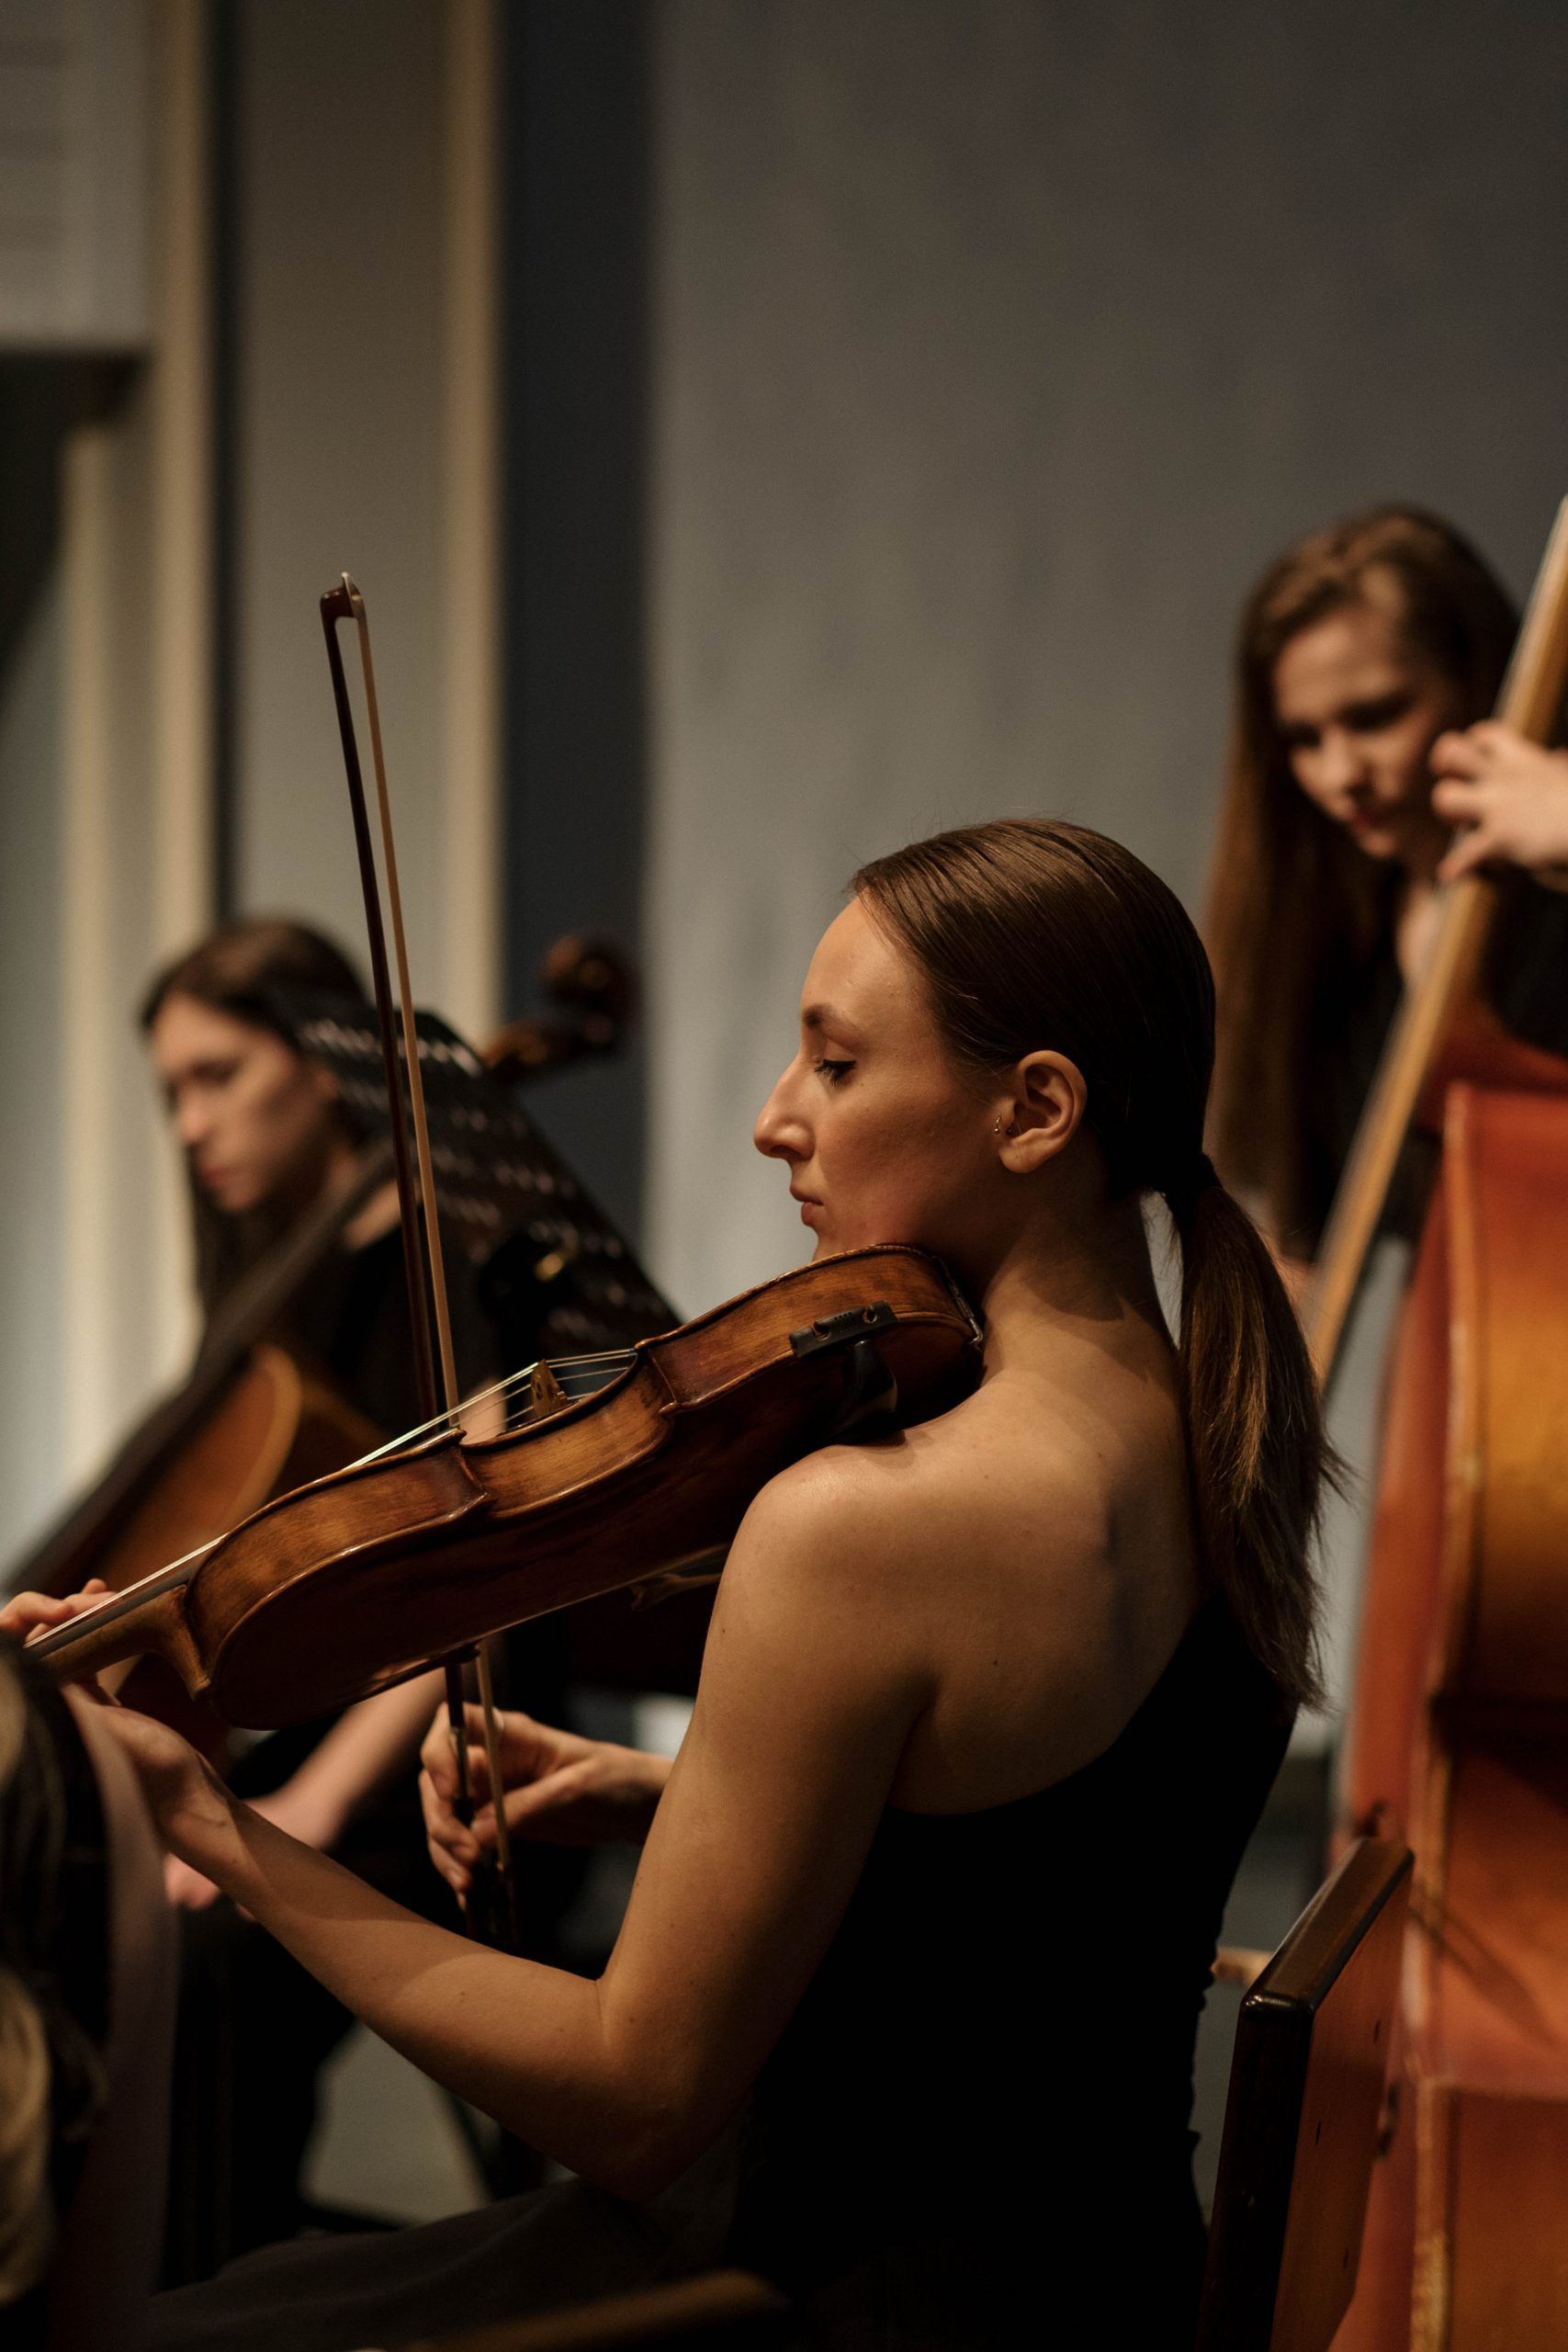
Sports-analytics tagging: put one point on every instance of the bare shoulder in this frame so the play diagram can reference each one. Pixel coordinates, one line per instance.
(842, 1512)
(870, 1514)
(1006, 1582)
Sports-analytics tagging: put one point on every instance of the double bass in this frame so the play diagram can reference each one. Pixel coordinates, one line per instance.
(1458, 1733)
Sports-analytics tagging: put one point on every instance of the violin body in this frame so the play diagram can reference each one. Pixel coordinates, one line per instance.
(366, 1576)
(1459, 1744)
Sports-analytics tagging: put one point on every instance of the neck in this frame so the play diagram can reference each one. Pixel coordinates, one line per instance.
(1087, 1280)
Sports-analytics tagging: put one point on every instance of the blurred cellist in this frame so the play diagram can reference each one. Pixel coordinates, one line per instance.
(266, 1136)
(1368, 656)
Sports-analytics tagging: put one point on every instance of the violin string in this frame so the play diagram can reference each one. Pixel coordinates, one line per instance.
(508, 1386)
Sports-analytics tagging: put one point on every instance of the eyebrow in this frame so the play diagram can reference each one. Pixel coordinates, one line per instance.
(826, 1017)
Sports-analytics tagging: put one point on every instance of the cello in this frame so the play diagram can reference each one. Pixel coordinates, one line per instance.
(1458, 1733)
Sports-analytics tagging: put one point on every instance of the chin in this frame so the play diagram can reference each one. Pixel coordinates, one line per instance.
(1380, 846)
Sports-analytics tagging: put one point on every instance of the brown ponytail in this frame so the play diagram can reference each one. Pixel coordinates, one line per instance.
(1254, 1434)
(1031, 934)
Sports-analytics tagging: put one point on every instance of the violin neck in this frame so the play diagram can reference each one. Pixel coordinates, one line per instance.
(148, 1621)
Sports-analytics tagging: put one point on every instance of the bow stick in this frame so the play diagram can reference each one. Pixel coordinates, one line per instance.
(345, 603)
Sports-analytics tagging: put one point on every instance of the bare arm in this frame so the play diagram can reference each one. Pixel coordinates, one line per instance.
(806, 1703)
(365, 1750)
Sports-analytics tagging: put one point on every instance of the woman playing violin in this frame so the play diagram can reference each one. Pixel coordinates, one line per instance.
(1366, 658)
(988, 1708)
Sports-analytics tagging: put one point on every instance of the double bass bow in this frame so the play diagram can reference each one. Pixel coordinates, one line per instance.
(1458, 1733)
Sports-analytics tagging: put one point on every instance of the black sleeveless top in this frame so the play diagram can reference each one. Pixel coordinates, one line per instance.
(974, 2130)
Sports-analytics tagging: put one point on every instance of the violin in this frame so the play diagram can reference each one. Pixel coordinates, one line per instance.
(624, 1468)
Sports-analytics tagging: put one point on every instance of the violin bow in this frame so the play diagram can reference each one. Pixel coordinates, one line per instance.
(414, 1203)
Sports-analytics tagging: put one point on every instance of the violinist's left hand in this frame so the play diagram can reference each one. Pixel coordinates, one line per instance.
(26, 1613)
(1511, 797)
(192, 1811)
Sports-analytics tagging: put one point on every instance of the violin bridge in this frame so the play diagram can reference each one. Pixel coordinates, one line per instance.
(546, 1395)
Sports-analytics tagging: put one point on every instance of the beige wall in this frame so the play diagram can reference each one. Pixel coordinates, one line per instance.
(363, 288)
(103, 708)
(354, 431)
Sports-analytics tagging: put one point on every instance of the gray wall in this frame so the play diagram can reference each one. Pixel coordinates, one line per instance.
(337, 291)
(996, 346)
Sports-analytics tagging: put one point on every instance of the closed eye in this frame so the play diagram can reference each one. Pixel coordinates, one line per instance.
(1372, 717)
(834, 1072)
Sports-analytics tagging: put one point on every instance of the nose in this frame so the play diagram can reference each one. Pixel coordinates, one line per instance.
(781, 1133)
(193, 1121)
(1341, 764)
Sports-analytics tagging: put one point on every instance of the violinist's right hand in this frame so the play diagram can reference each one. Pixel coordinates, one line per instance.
(559, 1788)
(32, 1612)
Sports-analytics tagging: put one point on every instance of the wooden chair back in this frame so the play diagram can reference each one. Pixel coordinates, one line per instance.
(1302, 2116)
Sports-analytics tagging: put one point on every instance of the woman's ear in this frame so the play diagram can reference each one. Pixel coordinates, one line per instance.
(1049, 1099)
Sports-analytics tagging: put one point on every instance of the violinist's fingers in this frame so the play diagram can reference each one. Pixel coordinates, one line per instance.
(537, 1800)
(32, 1612)
(459, 1877)
(451, 1847)
(435, 1753)
(442, 1826)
